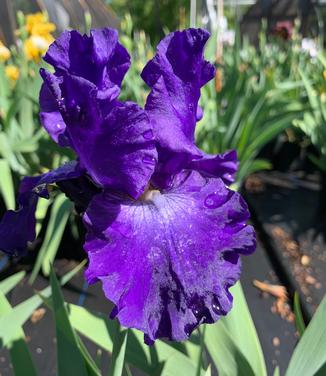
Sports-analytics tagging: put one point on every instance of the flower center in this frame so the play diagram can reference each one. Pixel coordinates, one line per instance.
(149, 194)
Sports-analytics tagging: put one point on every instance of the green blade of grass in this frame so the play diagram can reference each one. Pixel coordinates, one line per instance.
(7, 185)
(58, 219)
(70, 360)
(309, 356)
(10, 282)
(298, 315)
(19, 353)
(233, 342)
(119, 350)
(10, 322)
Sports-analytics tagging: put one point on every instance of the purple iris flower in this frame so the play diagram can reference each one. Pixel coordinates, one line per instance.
(164, 230)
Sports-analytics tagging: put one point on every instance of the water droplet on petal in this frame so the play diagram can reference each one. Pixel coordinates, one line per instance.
(61, 102)
(214, 200)
(196, 312)
(228, 176)
(216, 308)
(148, 135)
(199, 113)
(148, 159)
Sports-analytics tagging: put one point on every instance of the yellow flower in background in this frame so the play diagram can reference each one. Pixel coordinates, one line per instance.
(4, 53)
(37, 24)
(40, 37)
(324, 74)
(12, 72)
(43, 29)
(36, 46)
(34, 18)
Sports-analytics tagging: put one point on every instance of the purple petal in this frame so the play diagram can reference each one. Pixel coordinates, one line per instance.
(104, 63)
(80, 190)
(175, 75)
(98, 58)
(117, 148)
(51, 118)
(17, 228)
(222, 166)
(167, 261)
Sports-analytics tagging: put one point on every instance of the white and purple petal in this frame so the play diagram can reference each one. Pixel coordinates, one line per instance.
(167, 260)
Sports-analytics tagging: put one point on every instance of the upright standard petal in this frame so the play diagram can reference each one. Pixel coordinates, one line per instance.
(175, 75)
(168, 260)
(98, 58)
(17, 228)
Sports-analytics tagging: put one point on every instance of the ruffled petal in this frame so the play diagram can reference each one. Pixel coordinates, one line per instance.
(222, 166)
(17, 228)
(116, 148)
(175, 75)
(98, 58)
(167, 261)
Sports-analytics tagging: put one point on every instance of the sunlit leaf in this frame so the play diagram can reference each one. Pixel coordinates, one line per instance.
(233, 343)
(6, 185)
(11, 322)
(119, 350)
(309, 356)
(100, 329)
(70, 360)
(58, 219)
(20, 356)
(10, 282)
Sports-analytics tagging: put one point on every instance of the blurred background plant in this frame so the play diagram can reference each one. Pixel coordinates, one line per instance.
(25, 147)
(313, 121)
(255, 97)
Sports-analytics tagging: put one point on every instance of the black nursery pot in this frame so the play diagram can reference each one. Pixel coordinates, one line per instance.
(320, 220)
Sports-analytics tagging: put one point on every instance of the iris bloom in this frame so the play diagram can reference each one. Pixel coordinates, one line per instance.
(164, 231)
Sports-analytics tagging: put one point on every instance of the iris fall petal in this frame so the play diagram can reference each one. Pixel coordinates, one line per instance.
(167, 261)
